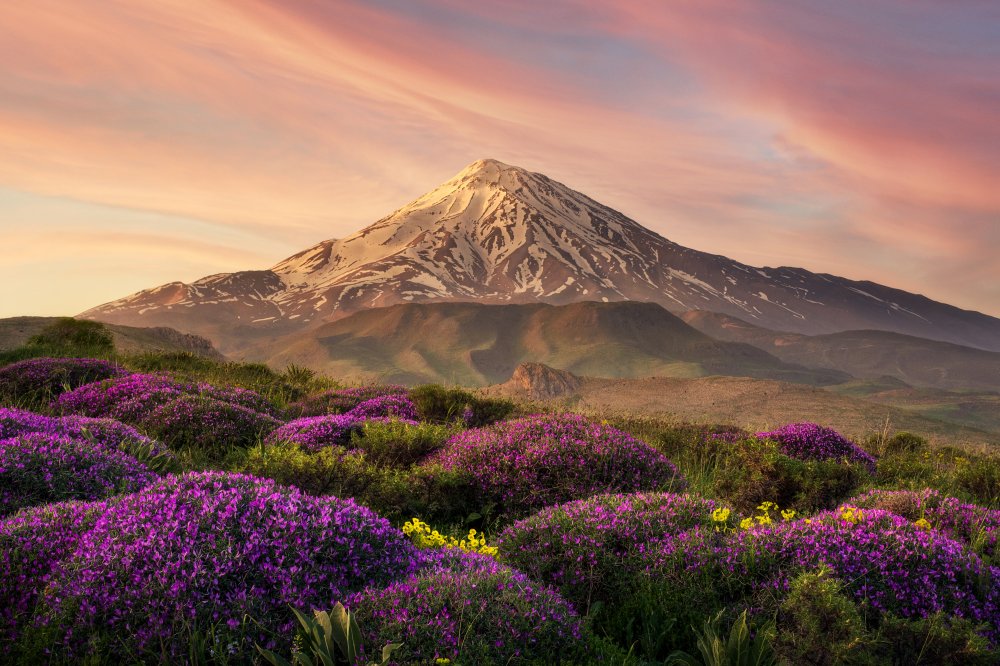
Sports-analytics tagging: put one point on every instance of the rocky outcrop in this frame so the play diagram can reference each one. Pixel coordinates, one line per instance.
(541, 382)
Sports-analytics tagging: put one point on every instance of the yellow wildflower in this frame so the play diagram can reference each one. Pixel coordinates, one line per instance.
(424, 537)
(746, 523)
(852, 514)
(923, 524)
(720, 515)
(787, 514)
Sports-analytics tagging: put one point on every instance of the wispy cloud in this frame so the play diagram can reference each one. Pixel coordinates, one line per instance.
(846, 137)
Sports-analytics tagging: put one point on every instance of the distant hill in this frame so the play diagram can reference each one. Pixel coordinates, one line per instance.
(475, 345)
(865, 354)
(15, 331)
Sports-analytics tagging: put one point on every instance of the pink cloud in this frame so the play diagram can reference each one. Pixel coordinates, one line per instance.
(846, 137)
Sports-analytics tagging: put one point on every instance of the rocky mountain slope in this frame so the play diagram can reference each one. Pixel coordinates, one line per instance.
(501, 234)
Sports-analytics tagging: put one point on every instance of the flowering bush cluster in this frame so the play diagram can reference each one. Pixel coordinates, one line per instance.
(316, 432)
(588, 548)
(486, 613)
(808, 441)
(339, 401)
(32, 544)
(43, 467)
(132, 397)
(45, 378)
(884, 561)
(207, 423)
(213, 550)
(976, 526)
(538, 461)
(111, 434)
(199, 415)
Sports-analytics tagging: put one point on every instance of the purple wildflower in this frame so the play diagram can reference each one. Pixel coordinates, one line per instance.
(976, 526)
(488, 614)
(108, 433)
(316, 432)
(543, 460)
(204, 422)
(202, 549)
(42, 467)
(134, 397)
(883, 560)
(585, 548)
(808, 441)
(48, 377)
(32, 544)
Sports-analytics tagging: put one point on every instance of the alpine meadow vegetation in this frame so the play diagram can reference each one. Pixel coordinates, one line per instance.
(166, 509)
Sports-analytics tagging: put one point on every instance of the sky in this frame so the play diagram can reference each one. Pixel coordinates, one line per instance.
(147, 141)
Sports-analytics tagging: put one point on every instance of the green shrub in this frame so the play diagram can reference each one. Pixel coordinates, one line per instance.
(332, 470)
(904, 442)
(979, 478)
(74, 336)
(947, 469)
(397, 443)
(819, 624)
(938, 639)
(440, 496)
(754, 471)
(445, 405)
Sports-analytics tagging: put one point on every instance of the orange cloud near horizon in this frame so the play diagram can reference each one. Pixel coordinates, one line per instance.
(849, 139)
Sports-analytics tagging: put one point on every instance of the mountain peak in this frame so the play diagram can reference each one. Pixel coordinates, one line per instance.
(488, 164)
(497, 233)
(488, 172)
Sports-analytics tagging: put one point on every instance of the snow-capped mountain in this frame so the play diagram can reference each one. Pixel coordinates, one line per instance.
(501, 234)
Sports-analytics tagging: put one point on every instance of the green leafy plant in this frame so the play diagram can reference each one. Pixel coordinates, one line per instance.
(739, 648)
(753, 471)
(444, 405)
(328, 638)
(819, 624)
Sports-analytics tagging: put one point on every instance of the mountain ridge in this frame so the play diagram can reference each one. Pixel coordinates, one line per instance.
(496, 233)
(477, 344)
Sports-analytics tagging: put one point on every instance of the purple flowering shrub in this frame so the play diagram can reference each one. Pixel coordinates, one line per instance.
(340, 401)
(885, 563)
(32, 543)
(42, 467)
(14, 422)
(808, 441)
(222, 554)
(388, 406)
(589, 549)
(207, 423)
(487, 614)
(42, 379)
(313, 433)
(975, 526)
(132, 397)
(538, 461)
(108, 433)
